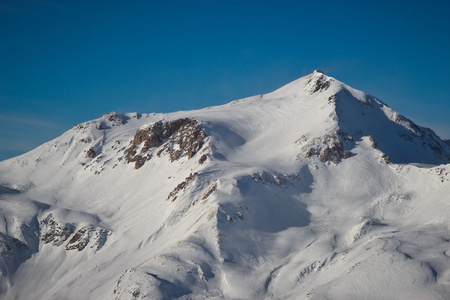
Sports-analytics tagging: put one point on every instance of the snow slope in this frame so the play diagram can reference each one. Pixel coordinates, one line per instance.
(313, 191)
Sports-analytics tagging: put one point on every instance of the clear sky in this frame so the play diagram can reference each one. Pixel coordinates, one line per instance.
(65, 62)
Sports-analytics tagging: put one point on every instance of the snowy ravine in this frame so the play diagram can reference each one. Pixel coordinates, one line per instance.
(313, 191)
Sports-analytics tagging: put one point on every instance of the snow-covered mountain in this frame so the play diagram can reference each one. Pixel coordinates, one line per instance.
(313, 191)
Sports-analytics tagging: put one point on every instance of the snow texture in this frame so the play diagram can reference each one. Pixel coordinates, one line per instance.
(313, 191)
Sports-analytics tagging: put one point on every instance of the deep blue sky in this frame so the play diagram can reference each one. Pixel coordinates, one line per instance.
(66, 62)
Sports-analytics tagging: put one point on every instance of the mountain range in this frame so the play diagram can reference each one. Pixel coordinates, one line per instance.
(314, 191)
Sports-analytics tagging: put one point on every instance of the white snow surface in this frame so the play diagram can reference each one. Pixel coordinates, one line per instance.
(266, 215)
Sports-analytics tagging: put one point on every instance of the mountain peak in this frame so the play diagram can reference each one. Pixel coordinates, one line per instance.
(329, 106)
(316, 81)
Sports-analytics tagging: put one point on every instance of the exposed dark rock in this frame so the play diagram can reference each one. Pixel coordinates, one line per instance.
(178, 138)
(210, 190)
(80, 127)
(335, 150)
(55, 233)
(332, 99)
(202, 159)
(344, 135)
(91, 153)
(114, 118)
(331, 147)
(139, 161)
(86, 140)
(320, 84)
(96, 237)
(442, 173)
(180, 187)
(80, 239)
(325, 155)
(386, 158)
(100, 238)
(279, 180)
(374, 144)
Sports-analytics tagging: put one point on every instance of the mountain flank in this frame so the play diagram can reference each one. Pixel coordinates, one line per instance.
(313, 191)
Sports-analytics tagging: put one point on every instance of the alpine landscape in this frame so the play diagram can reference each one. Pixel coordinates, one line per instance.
(314, 191)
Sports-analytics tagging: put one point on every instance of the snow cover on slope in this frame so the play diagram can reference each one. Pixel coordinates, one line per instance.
(313, 191)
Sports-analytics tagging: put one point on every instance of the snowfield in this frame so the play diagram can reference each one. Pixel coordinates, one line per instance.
(313, 191)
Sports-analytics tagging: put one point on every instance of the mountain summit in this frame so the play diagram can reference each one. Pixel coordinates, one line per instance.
(360, 114)
(313, 191)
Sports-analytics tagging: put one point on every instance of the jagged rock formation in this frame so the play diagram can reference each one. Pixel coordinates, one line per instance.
(328, 148)
(318, 83)
(54, 232)
(58, 233)
(181, 187)
(83, 236)
(178, 138)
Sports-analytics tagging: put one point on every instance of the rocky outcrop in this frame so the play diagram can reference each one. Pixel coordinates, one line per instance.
(91, 153)
(328, 148)
(173, 195)
(57, 233)
(374, 145)
(178, 138)
(211, 189)
(114, 118)
(279, 180)
(13, 252)
(84, 235)
(105, 122)
(54, 232)
(318, 84)
(111, 119)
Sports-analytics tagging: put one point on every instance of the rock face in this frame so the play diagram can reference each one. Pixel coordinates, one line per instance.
(318, 84)
(328, 148)
(111, 119)
(180, 187)
(178, 138)
(57, 233)
(83, 236)
(54, 232)
(91, 153)
(12, 253)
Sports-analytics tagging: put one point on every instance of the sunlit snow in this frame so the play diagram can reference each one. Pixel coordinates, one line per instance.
(313, 191)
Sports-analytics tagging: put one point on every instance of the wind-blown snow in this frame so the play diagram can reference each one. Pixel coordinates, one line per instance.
(313, 191)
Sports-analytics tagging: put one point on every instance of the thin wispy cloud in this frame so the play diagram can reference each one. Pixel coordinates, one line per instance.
(19, 134)
(30, 121)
